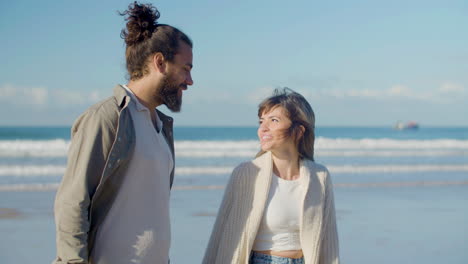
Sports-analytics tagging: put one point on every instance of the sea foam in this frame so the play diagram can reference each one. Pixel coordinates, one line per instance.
(53, 171)
(247, 149)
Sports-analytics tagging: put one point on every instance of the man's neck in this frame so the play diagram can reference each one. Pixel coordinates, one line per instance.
(145, 93)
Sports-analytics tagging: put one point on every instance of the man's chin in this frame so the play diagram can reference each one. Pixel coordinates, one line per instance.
(174, 108)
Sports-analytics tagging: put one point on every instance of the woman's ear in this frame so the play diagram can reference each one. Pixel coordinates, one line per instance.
(301, 131)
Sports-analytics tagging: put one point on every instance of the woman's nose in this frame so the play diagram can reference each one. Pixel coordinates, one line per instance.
(263, 126)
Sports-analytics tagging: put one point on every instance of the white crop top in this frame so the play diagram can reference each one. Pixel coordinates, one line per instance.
(280, 225)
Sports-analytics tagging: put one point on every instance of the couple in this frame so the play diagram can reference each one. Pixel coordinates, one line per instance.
(113, 203)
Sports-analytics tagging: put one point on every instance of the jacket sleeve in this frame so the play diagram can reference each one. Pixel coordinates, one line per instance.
(220, 226)
(329, 249)
(92, 138)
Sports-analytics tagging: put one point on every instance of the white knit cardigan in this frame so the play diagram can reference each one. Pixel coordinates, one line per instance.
(242, 210)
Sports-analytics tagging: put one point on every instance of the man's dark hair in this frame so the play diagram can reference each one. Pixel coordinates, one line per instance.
(144, 37)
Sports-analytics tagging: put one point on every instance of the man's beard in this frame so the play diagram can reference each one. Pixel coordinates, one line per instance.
(169, 94)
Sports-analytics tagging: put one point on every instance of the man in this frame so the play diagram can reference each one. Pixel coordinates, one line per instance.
(113, 203)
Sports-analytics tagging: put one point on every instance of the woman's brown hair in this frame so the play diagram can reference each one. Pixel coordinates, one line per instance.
(300, 113)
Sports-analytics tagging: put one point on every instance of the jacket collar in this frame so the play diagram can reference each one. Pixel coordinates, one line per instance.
(265, 163)
(124, 97)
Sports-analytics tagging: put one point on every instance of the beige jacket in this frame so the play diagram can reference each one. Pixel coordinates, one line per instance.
(242, 209)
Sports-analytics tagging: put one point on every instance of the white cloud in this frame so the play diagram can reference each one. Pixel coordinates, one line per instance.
(23, 95)
(446, 93)
(95, 96)
(334, 93)
(257, 95)
(7, 92)
(64, 97)
(390, 94)
(362, 93)
(450, 87)
(399, 90)
(41, 96)
(208, 96)
(342, 93)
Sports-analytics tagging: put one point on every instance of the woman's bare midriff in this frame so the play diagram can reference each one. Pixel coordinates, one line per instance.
(285, 254)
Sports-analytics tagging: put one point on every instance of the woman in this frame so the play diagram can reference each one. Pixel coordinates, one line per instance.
(278, 208)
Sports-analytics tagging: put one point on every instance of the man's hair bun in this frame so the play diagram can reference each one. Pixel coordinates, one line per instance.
(141, 22)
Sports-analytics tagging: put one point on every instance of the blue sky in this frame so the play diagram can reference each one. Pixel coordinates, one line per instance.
(359, 63)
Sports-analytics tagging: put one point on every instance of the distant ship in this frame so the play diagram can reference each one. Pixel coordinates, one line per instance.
(408, 126)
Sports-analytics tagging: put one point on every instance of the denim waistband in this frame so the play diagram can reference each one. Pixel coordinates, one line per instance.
(259, 258)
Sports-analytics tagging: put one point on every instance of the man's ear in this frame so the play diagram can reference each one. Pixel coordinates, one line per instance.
(159, 63)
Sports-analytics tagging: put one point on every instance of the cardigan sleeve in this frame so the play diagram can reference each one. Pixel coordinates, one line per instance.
(329, 249)
(213, 249)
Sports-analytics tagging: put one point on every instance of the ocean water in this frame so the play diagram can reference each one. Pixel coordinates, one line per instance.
(400, 195)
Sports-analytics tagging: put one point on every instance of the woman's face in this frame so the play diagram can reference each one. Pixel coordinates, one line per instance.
(273, 131)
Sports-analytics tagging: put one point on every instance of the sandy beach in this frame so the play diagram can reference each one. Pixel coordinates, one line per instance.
(424, 223)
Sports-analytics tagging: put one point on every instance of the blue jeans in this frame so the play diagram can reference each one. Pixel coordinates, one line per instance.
(259, 258)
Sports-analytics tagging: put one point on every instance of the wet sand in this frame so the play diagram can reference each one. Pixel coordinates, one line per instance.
(9, 213)
(377, 223)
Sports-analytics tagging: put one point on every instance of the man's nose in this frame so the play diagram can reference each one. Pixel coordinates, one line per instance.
(189, 80)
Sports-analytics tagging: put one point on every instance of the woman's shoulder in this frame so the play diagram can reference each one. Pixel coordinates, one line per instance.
(317, 169)
(315, 166)
(254, 164)
(247, 171)
(243, 168)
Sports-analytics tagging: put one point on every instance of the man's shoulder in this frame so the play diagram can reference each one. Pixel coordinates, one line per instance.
(109, 107)
(104, 106)
(106, 110)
